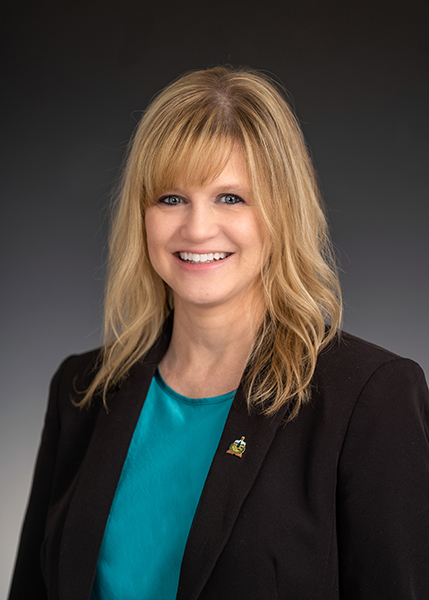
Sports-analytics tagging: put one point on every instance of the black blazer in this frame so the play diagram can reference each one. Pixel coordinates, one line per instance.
(333, 505)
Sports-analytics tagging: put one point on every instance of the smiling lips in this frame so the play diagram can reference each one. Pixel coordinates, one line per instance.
(191, 257)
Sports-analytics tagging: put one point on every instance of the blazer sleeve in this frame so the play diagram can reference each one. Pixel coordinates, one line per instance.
(383, 489)
(28, 580)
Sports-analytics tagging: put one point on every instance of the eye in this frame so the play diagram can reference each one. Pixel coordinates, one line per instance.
(170, 200)
(230, 199)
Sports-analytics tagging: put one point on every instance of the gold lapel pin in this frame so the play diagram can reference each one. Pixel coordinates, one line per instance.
(238, 447)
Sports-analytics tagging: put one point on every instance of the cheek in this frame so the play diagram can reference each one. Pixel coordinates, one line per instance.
(160, 227)
(254, 234)
(155, 227)
(261, 245)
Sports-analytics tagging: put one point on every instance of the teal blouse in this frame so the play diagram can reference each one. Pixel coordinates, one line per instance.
(161, 482)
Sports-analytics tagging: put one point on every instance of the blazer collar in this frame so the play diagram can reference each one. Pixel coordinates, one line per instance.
(229, 481)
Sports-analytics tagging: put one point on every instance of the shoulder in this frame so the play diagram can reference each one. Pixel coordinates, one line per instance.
(346, 347)
(78, 367)
(72, 377)
(351, 361)
(356, 377)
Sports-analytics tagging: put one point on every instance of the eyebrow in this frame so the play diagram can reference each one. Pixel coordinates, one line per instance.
(226, 187)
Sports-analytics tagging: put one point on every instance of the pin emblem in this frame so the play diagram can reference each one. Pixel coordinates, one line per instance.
(238, 447)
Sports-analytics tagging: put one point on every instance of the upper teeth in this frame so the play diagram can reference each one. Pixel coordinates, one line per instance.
(202, 258)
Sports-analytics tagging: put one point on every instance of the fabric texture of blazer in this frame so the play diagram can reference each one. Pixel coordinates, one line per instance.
(334, 505)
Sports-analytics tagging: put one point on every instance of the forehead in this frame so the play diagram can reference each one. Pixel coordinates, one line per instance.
(228, 171)
(191, 162)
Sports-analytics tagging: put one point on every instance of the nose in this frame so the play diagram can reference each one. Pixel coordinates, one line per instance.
(200, 223)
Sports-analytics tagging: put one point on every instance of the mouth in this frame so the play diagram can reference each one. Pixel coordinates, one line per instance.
(193, 258)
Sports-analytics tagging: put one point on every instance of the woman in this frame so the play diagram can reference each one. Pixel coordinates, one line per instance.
(227, 441)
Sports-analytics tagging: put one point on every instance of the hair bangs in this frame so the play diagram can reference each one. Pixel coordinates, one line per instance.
(192, 154)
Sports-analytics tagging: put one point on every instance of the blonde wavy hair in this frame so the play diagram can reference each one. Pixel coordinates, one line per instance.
(188, 131)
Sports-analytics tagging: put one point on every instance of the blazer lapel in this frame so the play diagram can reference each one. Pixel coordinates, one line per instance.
(228, 483)
(98, 478)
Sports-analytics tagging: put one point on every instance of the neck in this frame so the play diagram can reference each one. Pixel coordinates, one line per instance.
(210, 347)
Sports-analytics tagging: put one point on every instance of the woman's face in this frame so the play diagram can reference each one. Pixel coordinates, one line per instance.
(206, 242)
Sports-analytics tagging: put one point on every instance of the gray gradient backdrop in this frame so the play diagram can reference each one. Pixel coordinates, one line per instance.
(75, 78)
